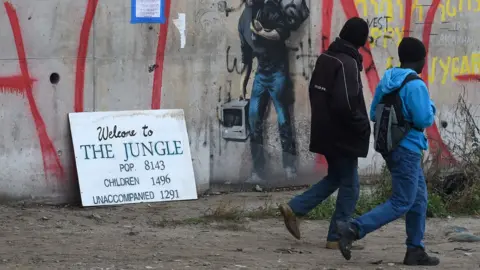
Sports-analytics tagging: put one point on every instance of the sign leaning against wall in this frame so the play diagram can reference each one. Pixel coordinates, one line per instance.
(126, 157)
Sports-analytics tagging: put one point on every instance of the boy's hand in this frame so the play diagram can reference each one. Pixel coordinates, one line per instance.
(256, 26)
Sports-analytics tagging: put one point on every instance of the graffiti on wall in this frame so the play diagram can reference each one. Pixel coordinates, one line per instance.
(271, 75)
(384, 33)
(263, 28)
(449, 33)
(23, 83)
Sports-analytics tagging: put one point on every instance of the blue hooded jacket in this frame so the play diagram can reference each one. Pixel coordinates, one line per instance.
(418, 108)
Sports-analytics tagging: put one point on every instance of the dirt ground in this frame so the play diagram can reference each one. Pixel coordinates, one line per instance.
(165, 236)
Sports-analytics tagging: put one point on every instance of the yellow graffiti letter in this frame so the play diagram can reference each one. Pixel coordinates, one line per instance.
(442, 12)
(445, 68)
(478, 6)
(399, 34)
(389, 62)
(465, 67)
(365, 7)
(388, 6)
(434, 69)
(419, 8)
(455, 69)
(375, 33)
(376, 10)
(460, 5)
(400, 8)
(475, 63)
(451, 11)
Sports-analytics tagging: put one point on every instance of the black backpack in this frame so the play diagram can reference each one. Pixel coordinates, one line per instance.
(390, 126)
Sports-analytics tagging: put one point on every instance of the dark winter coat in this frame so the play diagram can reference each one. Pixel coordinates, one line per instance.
(340, 124)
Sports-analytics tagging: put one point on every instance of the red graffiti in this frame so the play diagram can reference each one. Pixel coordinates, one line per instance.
(437, 146)
(408, 18)
(327, 8)
(82, 54)
(23, 84)
(160, 58)
(468, 77)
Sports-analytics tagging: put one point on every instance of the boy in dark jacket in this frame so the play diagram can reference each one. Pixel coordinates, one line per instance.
(340, 129)
(409, 188)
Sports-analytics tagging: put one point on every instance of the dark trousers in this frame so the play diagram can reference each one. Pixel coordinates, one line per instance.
(272, 85)
(342, 175)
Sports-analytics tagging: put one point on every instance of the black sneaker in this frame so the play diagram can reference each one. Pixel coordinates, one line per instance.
(348, 234)
(418, 256)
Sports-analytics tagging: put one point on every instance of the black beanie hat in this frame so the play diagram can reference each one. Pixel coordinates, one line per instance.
(355, 31)
(411, 50)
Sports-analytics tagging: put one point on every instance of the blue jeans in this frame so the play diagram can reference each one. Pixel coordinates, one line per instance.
(270, 84)
(409, 196)
(342, 175)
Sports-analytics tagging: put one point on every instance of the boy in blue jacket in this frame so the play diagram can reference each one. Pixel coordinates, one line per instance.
(409, 189)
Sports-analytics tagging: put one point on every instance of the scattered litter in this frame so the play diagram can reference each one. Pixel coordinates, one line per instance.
(455, 229)
(463, 249)
(291, 251)
(465, 238)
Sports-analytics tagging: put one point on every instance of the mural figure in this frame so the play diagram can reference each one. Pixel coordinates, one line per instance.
(263, 27)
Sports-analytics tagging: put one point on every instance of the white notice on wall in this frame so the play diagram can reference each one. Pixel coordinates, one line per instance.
(132, 157)
(148, 8)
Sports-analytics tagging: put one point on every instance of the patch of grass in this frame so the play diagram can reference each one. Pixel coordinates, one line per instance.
(436, 206)
(466, 202)
(323, 210)
(226, 216)
(230, 211)
(366, 202)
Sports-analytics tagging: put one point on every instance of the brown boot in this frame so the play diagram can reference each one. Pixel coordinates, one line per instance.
(290, 219)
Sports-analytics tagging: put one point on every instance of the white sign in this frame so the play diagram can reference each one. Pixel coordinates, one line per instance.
(132, 157)
(148, 9)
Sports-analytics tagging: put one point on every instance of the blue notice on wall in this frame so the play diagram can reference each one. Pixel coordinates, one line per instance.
(148, 11)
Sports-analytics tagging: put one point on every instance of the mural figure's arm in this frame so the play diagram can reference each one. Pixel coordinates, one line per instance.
(275, 34)
(244, 79)
(247, 60)
(272, 16)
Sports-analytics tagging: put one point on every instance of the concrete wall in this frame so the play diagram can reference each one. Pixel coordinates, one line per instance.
(106, 63)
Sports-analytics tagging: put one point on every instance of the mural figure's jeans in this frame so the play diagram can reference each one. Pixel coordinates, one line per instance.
(409, 196)
(342, 175)
(271, 84)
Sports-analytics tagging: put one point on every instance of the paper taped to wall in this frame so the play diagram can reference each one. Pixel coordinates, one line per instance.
(180, 24)
(148, 9)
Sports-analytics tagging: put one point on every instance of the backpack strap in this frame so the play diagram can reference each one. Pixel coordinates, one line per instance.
(410, 77)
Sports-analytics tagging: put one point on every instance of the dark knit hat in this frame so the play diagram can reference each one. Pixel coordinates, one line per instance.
(411, 50)
(355, 31)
